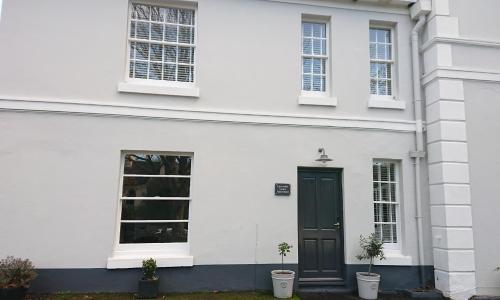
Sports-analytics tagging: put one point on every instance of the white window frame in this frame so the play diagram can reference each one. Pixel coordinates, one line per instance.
(161, 87)
(392, 61)
(327, 56)
(166, 254)
(397, 204)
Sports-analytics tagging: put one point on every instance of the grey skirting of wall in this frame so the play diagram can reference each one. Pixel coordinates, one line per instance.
(205, 278)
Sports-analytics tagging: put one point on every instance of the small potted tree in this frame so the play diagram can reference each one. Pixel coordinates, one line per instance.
(16, 275)
(368, 282)
(149, 284)
(283, 279)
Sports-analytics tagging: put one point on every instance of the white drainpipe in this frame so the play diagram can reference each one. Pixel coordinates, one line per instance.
(418, 154)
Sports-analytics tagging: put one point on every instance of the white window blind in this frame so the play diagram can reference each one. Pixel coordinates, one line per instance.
(381, 61)
(162, 43)
(314, 57)
(386, 200)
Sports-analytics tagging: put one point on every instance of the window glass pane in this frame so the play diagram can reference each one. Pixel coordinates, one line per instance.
(155, 71)
(373, 35)
(171, 33)
(376, 212)
(317, 84)
(382, 87)
(373, 87)
(307, 65)
(184, 73)
(169, 72)
(317, 66)
(142, 30)
(376, 191)
(131, 69)
(155, 52)
(171, 15)
(185, 35)
(185, 55)
(317, 47)
(373, 51)
(141, 51)
(373, 70)
(157, 32)
(384, 52)
(155, 210)
(384, 172)
(156, 14)
(153, 164)
(387, 233)
(318, 30)
(155, 187)
(307, 29)
(133, 29)
(141, 12)
(170, 53)
(141, 70)
(306, 86)
(186, 17)
(307, 46)
(392, 172)
(153, 233)
(383, 36)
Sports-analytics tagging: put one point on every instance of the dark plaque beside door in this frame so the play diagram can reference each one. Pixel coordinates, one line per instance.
(282, 189)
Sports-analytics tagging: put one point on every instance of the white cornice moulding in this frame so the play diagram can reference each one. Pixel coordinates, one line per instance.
(366, 5)
(460, 41)
(461, 73)
(243, 117)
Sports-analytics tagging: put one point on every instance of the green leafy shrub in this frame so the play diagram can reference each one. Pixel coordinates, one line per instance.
(149, 269)
(283, 249)
(16, 273)
(371, 248)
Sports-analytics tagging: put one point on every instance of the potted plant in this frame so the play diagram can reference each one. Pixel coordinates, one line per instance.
(16, 275)
(368, 282)
(283, 279)
(149, 284)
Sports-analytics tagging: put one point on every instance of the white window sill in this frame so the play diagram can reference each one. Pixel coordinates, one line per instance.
(386, 102)
(126, 256)
(394, 258)
(157, 89)
(317, 100)
(135, 261)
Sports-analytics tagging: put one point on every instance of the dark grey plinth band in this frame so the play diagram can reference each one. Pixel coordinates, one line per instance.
(205, 278)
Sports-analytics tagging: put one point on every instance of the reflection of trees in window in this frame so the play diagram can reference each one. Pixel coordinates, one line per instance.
(164, 219)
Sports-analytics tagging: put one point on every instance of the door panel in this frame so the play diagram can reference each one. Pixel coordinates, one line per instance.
(320, 239)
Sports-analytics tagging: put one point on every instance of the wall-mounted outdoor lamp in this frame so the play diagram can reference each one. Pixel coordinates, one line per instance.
(323, 157)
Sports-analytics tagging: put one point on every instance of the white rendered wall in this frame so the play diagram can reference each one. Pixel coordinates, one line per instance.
(61, 173)
(62, 169)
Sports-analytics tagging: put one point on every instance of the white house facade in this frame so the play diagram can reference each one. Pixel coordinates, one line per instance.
(191, 132)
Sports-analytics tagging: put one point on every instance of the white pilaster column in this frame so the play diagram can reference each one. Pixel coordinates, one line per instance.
(451, 215)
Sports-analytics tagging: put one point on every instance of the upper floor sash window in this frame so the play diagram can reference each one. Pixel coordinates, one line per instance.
(162, 43)
(381, 61)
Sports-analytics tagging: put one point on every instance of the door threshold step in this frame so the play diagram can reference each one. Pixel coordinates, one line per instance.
(324, 289)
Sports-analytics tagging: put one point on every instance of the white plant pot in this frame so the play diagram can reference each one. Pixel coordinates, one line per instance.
(368, 285)
(283, 283)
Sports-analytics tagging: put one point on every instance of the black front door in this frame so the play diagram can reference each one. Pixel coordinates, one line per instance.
(321, 257)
